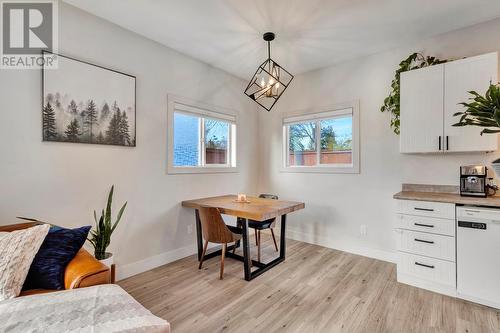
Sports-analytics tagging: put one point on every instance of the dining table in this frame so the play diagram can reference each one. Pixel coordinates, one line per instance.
(253, 208)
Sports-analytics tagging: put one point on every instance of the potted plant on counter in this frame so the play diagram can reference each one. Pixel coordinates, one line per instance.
(100, 237)
(483, 111)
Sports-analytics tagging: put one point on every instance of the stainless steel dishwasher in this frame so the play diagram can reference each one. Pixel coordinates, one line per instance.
(478, 254)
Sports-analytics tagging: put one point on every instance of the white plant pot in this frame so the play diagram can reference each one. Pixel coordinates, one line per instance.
(108, 261)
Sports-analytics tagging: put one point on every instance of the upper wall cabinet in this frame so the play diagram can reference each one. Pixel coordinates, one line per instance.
(460, 77)
(422, 110)
(429, 98)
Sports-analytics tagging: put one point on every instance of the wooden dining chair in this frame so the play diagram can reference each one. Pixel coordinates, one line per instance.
(261, 225)
(214, 230)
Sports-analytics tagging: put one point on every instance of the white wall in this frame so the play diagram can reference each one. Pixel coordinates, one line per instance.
(63, 183)
(337, 204)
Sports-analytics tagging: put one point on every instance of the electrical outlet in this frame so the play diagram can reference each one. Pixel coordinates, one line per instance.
(190, 229)
(362, 230)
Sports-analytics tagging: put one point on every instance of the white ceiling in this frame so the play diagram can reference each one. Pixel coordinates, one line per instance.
(310, 33)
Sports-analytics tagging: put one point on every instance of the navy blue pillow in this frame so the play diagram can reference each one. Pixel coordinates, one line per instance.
(58, 249)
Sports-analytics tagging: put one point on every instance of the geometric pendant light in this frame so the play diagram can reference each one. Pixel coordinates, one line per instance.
(269, 81)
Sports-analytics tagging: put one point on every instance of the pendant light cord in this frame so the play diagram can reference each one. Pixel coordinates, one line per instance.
(269, 54)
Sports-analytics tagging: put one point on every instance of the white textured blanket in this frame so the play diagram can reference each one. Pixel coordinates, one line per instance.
(106, 308)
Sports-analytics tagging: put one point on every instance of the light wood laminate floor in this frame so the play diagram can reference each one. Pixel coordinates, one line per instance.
(315, 290)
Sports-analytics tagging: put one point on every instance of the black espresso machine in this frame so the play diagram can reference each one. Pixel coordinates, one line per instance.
(473, 181)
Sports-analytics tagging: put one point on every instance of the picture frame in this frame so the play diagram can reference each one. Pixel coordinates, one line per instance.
(87, 103)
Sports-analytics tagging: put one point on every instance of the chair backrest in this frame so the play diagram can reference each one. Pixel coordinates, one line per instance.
(269, 196)
(213, 227)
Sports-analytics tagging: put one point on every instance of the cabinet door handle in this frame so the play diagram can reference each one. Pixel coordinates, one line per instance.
(423, 225)
(439, 144)
(424, 241)
(447, 143)
(424, 265)
(424, 209)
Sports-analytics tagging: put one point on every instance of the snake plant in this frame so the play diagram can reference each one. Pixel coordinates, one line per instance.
(482, 111)
(101, 236)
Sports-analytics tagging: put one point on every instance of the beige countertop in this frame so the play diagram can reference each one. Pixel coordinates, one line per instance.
(411, 192)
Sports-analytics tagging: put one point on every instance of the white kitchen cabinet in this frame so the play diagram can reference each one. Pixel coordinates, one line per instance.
(449, 248)
(426, 244)
(426, 224)
(427, 273)
(425, 238)
(429, 98)
(460, 77)
(426, 208)
(422, 110)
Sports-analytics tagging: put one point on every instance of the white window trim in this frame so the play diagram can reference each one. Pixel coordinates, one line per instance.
(336, 110)
(184, 105)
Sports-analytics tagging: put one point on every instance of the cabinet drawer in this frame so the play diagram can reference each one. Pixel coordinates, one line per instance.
(425, 244)
(430, 269)
(426, 224)
(427, 208)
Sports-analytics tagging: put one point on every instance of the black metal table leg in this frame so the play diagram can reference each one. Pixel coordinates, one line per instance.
(282, 237)
(238, 224)
(265, 267)
(247, 262)
(199, 236)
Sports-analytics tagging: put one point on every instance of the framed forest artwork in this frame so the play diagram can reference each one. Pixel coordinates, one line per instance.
(86, 103)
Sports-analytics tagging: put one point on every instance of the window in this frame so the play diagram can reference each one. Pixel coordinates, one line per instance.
(201, 140)
(302, 144)
(324, 141)
(216, 141)
(186, 140)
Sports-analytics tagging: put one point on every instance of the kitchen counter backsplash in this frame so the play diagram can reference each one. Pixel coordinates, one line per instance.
(431, 188)
(443, 193)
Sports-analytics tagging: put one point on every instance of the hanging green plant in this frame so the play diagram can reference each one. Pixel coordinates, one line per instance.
(482, 111)
(391, 102)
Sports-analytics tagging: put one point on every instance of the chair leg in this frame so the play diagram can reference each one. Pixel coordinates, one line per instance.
(274, 239)
(234, 248)
(203, 254)
(258, 245)
(222, 261)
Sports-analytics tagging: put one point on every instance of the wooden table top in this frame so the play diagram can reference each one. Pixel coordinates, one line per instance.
(258, 209)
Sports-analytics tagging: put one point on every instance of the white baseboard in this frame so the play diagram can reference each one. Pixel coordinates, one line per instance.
(443, 289)
(427, 285)
(341, 246)
(128, 270)
(490, 303)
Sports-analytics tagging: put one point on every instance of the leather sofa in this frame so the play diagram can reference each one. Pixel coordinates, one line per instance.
(83, 271)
